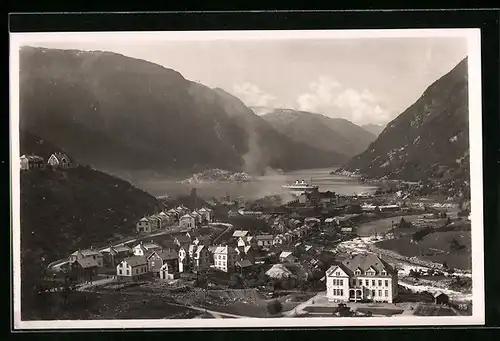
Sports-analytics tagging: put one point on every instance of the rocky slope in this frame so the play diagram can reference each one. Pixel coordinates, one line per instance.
(429, 140)
(118, 113)
(325, 133)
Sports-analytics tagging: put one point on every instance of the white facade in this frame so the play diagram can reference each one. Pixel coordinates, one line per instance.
(187, 222)
(225, 258)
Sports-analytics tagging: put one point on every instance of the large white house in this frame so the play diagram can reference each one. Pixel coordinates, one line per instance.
(362, 277)
(225, 258)
(132, 268)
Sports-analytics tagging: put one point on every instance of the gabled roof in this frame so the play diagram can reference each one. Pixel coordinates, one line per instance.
(193, 233)
(365, 262)
(87, 253)
(244, 263)
(122, 248)
(240, 233)
(285, 254)
(438, 293)
(187, 216)
(164, 255)
(59, 156)
(87, 263)
(33, 158)
(151, 246)
(136, 261)
(144, 219)
(200, 248)
(264, 237)
(224, 250)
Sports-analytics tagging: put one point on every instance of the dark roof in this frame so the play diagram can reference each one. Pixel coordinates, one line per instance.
(87, 263)
(183, 239)
(365, 262)
(169, 254)
(136, 260)
(244, 263)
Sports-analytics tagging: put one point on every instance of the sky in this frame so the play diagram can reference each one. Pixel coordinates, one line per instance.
(364, 80)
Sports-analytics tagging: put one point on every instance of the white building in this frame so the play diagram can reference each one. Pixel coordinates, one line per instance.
(225, 258)
(187, 221)
(363, 277)
(145, 249)
(132, 268)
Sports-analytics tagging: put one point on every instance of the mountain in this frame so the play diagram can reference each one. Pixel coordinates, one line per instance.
(375, 129)
(325, 133)
(429, 140)
(123, 114)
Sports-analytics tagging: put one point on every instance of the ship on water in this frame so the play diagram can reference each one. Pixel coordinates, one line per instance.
(300, 187)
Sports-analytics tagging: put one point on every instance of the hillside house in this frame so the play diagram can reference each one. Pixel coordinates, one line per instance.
(145, 249)
(132, 268)
(154, 222)
(247, 241)
(441, 298)
(207, 214)
(143, 225)
(239, 234)
(197, 217)
(287, 257)
(187, 222)
(244, 266)
(174, 214)
(202, 240)
(264, 240)
(279, 240)
(59, 160)
(182, 240)
(84, 269)
(182, 210)
(113, 255)
(87, 254)
(31, 162)
(362, 277)
(201, 258)
(183, 256)
(225, 258)
(168, 273)
(158, 259)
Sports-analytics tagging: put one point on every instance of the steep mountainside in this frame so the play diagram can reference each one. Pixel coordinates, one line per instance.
(375, 129)
(429, 140)
(119, 113)
(330, 134)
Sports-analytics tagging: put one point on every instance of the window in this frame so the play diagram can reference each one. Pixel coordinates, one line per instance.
(373, 293)
(379, 282)
(373, 282)
(367, 282)
(386, 283)
(128, 272)
(341, 282)
(386, 293)
(358, 272)
(360, 282)
(341, 292)
(337, 273)
(120, 272)
(380, 292)
(384, 273)
(334, 292)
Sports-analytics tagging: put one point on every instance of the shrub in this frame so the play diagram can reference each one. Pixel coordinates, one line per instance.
(274, 307)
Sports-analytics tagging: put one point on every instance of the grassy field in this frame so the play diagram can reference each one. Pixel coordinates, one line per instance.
(382, 226)
(435, 247)
(433, 310)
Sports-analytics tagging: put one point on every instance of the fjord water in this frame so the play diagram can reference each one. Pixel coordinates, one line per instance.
(268, 184)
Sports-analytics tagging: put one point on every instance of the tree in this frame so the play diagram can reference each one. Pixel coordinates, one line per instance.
(342, 310)
(235, 282)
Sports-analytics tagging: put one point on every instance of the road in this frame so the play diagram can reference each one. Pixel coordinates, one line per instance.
(57, 264)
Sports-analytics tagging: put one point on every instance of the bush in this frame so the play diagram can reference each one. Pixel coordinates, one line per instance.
(274, 307)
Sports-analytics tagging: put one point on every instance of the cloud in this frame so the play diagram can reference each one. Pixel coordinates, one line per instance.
(327, 96)
(252, 95)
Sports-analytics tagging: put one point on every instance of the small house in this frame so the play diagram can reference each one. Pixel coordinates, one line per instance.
(264, 240)
(287, 257)
(197, 217)
(31, 162)
(167, 272)
(145, 249)
(59, 160)
(84, 269)
(182, 240)
(132, 268)
(201, 258)
(158, 259)
(244, 265)
(202, 240)
(187, 222)
(207, 214)
(113, 255)
(87, 254)
(193, 234)
(143, 225)
(239, 233)
(441, 298)
(184, 259)
(154, 222)
(247, 241)
(225, 258)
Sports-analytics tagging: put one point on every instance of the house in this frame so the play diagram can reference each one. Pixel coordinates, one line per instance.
(441, 298)
(187, 222)
(183, 256)
(143, 225)
(264, 240)
(362, 277)
(59, 160)
(113, 255)
(244, 265)
(145, 249)
(132, 268)
(87, 254)
(202, 240)
(182, 210)
(166, 218)
(193, 234)
(174, 214)
(279, 240)
(158, 259)
(154, 222)
(31, 162)
(287, 257)
(247, 241)
(207, 214)
(239, 233)
(225, 258)
(166, 272)
(84, 269)
(197, 217)
(182, 240)
(201, 258)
